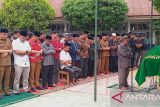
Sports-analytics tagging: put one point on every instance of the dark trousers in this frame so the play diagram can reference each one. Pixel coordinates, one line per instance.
(48, 75)
(123, 76)
(76, 63)
(132, 60)
(84, 67)
(73, 71)
(113, 64)
(57, 68)
(138, 57)
(90, 67)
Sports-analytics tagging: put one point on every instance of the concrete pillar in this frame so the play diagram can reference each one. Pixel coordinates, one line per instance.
(129, 26)
(65, 26)
(154, 38)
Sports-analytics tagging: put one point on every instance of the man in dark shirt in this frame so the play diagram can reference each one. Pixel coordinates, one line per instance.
(113, 59)
(132, 45)
(139, 46)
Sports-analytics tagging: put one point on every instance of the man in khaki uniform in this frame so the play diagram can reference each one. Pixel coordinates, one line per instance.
(5, 61)
(104, 53)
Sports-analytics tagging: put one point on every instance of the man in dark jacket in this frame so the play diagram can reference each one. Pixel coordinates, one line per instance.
(74, 51)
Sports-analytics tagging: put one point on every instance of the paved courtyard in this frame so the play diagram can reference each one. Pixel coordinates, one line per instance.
(81, 96)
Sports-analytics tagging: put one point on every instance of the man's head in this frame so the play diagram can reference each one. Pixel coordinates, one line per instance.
(138, 37)
(16, 34)
(113, 36)
(85, 34)
(4, 33)
(30, 35)
(132, 36)
(54, 34)
(67, 47)
(42, 35)
(23, 35)
(118, 36)
(48, 39)
(91, 38)
(105, 36)
(36, 35)
(66, 37)
(60, 36)
(125, 40)
(75, 37)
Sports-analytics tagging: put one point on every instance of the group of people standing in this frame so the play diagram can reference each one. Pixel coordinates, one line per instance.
(26, 57)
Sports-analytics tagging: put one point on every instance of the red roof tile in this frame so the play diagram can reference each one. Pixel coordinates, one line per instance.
(140, 8)
(136, 7)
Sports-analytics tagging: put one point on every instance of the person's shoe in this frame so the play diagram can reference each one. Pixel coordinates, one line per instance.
(40, 88)
(33, 89)
(51, 85)
(45, 87)
(29, 91)
(7, 94)
(1, 97)
(127, 86)
(124, 88)
(17, 93)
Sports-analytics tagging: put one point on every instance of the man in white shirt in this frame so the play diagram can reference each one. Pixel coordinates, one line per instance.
(66, 63)
(21, 51)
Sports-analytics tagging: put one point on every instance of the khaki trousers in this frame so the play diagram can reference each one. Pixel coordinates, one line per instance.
(24, 71)
(34, 74)
(104, 64)
(5, 72)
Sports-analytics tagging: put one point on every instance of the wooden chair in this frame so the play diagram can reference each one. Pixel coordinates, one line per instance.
(64, 77)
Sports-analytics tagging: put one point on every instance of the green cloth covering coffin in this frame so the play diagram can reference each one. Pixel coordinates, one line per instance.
(149, 66)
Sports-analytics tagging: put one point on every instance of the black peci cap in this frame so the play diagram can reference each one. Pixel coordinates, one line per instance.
(85, 32)
(4, 30)
(48, 37)
(24, 33)
(67, 44)
(37, 33)
(75, 35)
(103, 34)
(91, 37)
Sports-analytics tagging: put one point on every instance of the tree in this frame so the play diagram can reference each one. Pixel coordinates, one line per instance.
(157, 5)
(157, 22)
(81, 13)
(26, 14)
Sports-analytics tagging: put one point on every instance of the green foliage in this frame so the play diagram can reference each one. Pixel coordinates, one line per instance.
(157, 4)
(157, 22)
(26, 14)
(81, 13)
(157, 30)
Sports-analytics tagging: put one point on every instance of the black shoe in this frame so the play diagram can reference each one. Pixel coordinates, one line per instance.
(126, 85)
(45, 87)
(33, 89)
(29, 91)
(51, 86)
(40, 88)
(17, 93)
